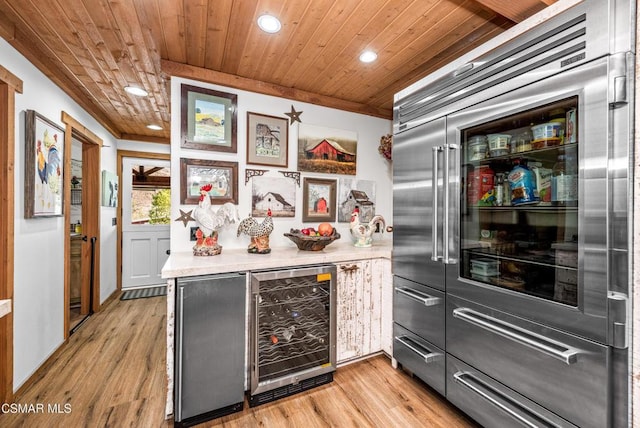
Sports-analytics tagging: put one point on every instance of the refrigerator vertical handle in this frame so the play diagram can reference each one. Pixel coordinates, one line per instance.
(434, 217)
(445, 234)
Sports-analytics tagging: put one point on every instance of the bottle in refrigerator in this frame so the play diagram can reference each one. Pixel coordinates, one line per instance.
(564, 181)
(499, 189)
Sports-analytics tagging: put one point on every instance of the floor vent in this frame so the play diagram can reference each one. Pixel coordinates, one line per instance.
(287, 390)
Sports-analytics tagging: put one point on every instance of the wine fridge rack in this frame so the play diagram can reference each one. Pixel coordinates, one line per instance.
(293, 325)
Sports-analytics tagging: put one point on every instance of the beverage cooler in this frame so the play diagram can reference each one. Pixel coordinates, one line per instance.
(293, 345)
(511, 219)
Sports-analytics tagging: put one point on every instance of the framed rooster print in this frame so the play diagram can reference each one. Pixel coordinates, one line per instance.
(208, 119)
(44, 167)
(222, 176)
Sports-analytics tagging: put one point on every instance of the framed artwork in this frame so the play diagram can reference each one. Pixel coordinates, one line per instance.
(327, 150)
(44, 167)
(354, 193)
(109, 189)
(267, 140)
(275, 193)
(208, 119)
(223, 177)
(318, 200)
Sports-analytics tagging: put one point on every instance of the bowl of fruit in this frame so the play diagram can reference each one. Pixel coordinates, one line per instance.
(310, 239)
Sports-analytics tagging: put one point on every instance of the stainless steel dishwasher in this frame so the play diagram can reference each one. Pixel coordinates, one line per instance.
(209, 347)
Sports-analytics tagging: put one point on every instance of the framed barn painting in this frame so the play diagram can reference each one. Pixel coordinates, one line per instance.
(208, 119)
(277, 194)
(195, 173)
(267, 140)
(44, 167)
(327, 150)
(318, 200)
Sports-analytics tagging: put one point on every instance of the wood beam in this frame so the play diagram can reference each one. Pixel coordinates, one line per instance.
(516, 11)
(210, 76)
(145, 139)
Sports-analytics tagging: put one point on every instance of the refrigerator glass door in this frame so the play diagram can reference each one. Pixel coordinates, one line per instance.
(520, 188)
(529, 213)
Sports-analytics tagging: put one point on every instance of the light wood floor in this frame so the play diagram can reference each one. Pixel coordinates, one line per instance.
(112, 374)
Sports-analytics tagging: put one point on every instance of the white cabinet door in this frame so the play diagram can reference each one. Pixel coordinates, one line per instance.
(363, 309)
(349, 308)
(381, 274)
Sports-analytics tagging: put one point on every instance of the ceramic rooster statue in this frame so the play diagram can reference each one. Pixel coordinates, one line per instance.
(209, 222)
(362, 234)
(259, 233)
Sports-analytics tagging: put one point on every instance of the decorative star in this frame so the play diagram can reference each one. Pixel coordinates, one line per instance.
(185, 218)
(294, 116)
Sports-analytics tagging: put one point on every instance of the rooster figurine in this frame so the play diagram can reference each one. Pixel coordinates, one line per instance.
(259, 233)
(209, 222)
(362, 234)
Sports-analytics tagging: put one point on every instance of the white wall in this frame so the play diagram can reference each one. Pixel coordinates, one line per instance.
(39, 243)
(370, 164)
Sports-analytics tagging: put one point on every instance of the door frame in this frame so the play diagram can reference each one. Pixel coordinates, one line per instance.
(9, 85)
(121, 154)
(91, 145)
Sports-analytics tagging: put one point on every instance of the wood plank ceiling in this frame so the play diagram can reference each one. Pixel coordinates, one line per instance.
(93, 48)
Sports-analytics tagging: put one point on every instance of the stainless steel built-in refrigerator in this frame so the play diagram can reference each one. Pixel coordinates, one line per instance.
(512, 225)
(210, 343)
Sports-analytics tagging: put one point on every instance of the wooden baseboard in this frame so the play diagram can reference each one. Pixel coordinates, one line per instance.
(114, 296)
(358, 359)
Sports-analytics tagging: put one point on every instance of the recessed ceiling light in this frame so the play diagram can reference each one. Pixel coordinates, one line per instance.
(269, 23)
(368, 56)
(137, 91)
(155, 127)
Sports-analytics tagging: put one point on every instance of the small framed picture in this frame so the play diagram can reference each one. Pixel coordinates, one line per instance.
(223, 177)
(44, 167)
(208, 119)
(318, 200)
(267, 140)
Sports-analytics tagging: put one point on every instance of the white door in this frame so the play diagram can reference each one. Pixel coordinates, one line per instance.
(145, 242)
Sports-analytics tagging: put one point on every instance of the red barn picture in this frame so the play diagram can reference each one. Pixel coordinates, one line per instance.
(330, 150)
(327, 150)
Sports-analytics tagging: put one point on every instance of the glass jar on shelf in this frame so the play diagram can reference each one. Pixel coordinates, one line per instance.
(564, 181)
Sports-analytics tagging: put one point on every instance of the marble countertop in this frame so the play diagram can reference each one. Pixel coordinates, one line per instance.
(238, 260)
(5, 307)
